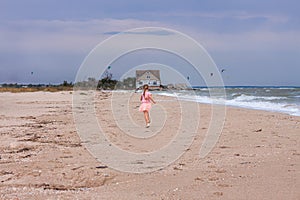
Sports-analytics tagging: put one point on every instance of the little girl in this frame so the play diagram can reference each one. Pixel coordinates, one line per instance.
(146, 104)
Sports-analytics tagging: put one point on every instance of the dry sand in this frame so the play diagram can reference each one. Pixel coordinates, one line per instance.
(42, 157)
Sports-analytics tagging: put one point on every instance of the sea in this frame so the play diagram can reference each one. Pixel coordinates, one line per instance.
(275, 99)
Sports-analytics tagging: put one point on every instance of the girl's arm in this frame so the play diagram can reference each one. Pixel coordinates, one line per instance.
(150, 97)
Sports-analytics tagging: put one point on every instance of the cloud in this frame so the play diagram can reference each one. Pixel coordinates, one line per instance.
(158, 33)
(223, 15)
(62, 35)
(82, 36)
(112, 32)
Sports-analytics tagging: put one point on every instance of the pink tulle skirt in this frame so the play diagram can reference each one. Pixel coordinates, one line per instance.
(145, 107)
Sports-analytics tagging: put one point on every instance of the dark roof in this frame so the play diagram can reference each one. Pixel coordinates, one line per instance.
(140, 73)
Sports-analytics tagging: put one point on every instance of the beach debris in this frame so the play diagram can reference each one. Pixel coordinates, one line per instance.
(75, 168)
(102, 167)
(218, 193)
(17, 147)
(213, 178)
(199, 179)
(139, 162)
(47, 186)
(27, 156)
(258, 130)
(236, 154)
(3, 172)
(177, 168)
(245, 163)
(224, 147)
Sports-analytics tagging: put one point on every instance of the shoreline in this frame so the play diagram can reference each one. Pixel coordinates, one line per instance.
(67, 89)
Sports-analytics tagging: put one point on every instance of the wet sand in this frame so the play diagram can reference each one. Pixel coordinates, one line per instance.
(257, 155)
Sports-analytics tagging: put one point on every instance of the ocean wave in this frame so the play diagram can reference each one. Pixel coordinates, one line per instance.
(244, 101)
(292, 109)
(244, 97)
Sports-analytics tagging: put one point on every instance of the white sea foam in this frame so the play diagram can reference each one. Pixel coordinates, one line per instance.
(245, 101)
(249, 98)
(269, 106)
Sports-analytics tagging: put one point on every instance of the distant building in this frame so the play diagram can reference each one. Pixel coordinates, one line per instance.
(150, 77)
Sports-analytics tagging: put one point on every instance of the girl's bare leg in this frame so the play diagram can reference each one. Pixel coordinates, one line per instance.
(146, 116)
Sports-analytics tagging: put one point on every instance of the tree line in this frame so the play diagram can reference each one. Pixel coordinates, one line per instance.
(105, 83)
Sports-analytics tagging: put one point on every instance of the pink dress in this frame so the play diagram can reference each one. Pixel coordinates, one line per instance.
(146, 104)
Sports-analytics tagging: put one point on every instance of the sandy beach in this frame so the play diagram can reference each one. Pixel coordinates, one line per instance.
(257, 155)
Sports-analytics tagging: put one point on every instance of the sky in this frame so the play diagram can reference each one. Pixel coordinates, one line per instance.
(46, 41)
